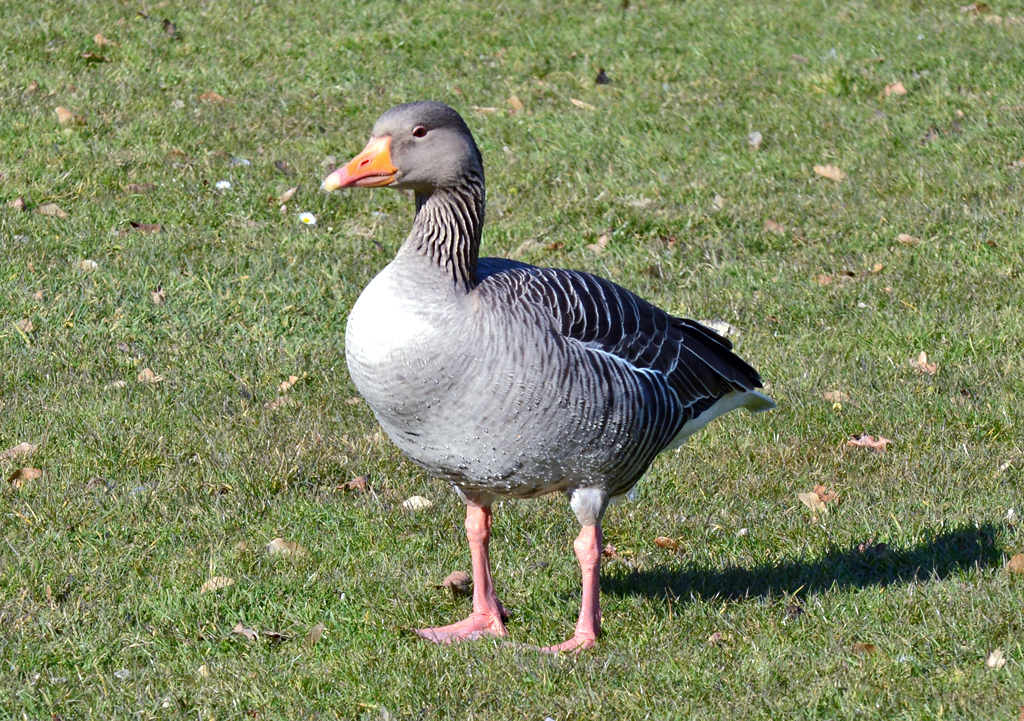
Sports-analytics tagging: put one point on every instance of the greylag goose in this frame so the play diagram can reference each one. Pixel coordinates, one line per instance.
(511, 380)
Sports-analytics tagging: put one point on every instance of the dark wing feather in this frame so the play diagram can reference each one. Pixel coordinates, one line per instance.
(697, 363)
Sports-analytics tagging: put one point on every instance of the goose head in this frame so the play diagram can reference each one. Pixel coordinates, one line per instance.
(420, 146)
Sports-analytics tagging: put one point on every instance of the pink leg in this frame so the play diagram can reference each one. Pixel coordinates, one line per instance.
(488, 614)
(588, 550)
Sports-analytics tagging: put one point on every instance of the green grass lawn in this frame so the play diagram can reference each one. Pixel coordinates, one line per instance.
(757, 612)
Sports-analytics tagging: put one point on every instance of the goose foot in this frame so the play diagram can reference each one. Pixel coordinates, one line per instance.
(588, 551)
(476, 626)
(574, 645)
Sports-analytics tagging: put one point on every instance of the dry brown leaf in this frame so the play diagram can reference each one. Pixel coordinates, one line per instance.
(353, 401)
(139, 188)
(864, 649)
(37, 295)
(359, 483)
(17, 204)
(286, 385)
(715, 638)
(243, 631)
(97, 482)
(280, 402)
(812, 501)
(772, 227)
(88, 265)
(835, 396)
(51, 209)
(600, 245)
(145, 227)
(876, 444)
(101, 41)
(825, 495)
(877, 268)
(32, 87)
(480, 110)
(21, 475)
(666, 542)
(281, 547)
(170, 29)
(211, 97)
(159, 295)
(22, 450)
(975, 8)
(146, 375)
(216, 583)
(921, 365)
(995, 659)
(831, 172)
(582, 104)
(314, 635)
(287, 195)
(609, 551)
(283, 167)
(95, 58)
(25, 325)
(802, 59)
(895, 89)
(1016, 564)
(459, 583)
(515, 103)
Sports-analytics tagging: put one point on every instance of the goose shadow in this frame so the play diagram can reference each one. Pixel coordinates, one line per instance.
(863, 565)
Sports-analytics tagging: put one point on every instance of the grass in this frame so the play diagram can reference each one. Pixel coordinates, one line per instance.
(100, 610)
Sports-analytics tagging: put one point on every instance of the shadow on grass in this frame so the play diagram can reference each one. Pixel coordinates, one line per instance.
(858, 567)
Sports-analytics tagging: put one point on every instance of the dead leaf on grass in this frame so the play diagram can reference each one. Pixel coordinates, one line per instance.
(145, 227)
(18, 203)
(280, 402)
(417, 503)
(353, 401)
(835, 397)
(314, 635)
(483, 110)
(715, 638)
(21, 475)
(609, 551)
(282, 166)
(146, 375)
(582, 104)
(995, 659)
(211, 97)
(101, 41)
(159, 295)
(515, 103)
(826, 495)
(895, 89)
(772, 227)
(281, 547)
(25, 325)
(921, 365)
(286, 385)
(170, 29)
(1016, 564)
(243, 631)
(600, 245)
(216, 583)
(51, 209)
(831, 172)
(287, 195)
(22, 450)
(359, 483)
(876, 444)
(666, 543)
(95, 58)
(459, 583)
(812, 501)
(975, 8)
(864, 649)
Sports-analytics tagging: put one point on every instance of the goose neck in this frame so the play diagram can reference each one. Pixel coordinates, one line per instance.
(446, 232)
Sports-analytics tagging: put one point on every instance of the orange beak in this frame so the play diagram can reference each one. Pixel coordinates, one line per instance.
(370, 169)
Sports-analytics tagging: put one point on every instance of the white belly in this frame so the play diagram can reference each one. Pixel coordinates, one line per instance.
(385, 324)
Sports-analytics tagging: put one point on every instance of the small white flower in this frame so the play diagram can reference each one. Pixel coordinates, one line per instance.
(307, 218)
(223, 185)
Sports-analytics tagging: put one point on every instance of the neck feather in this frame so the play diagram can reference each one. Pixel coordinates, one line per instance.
(447, 229)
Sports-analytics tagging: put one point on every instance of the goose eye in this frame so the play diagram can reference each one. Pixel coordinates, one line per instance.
(419, 131)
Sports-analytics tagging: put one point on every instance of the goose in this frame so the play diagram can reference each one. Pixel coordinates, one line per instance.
(510, 380)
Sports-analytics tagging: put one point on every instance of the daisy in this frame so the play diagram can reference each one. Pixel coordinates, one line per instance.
(307, 218)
